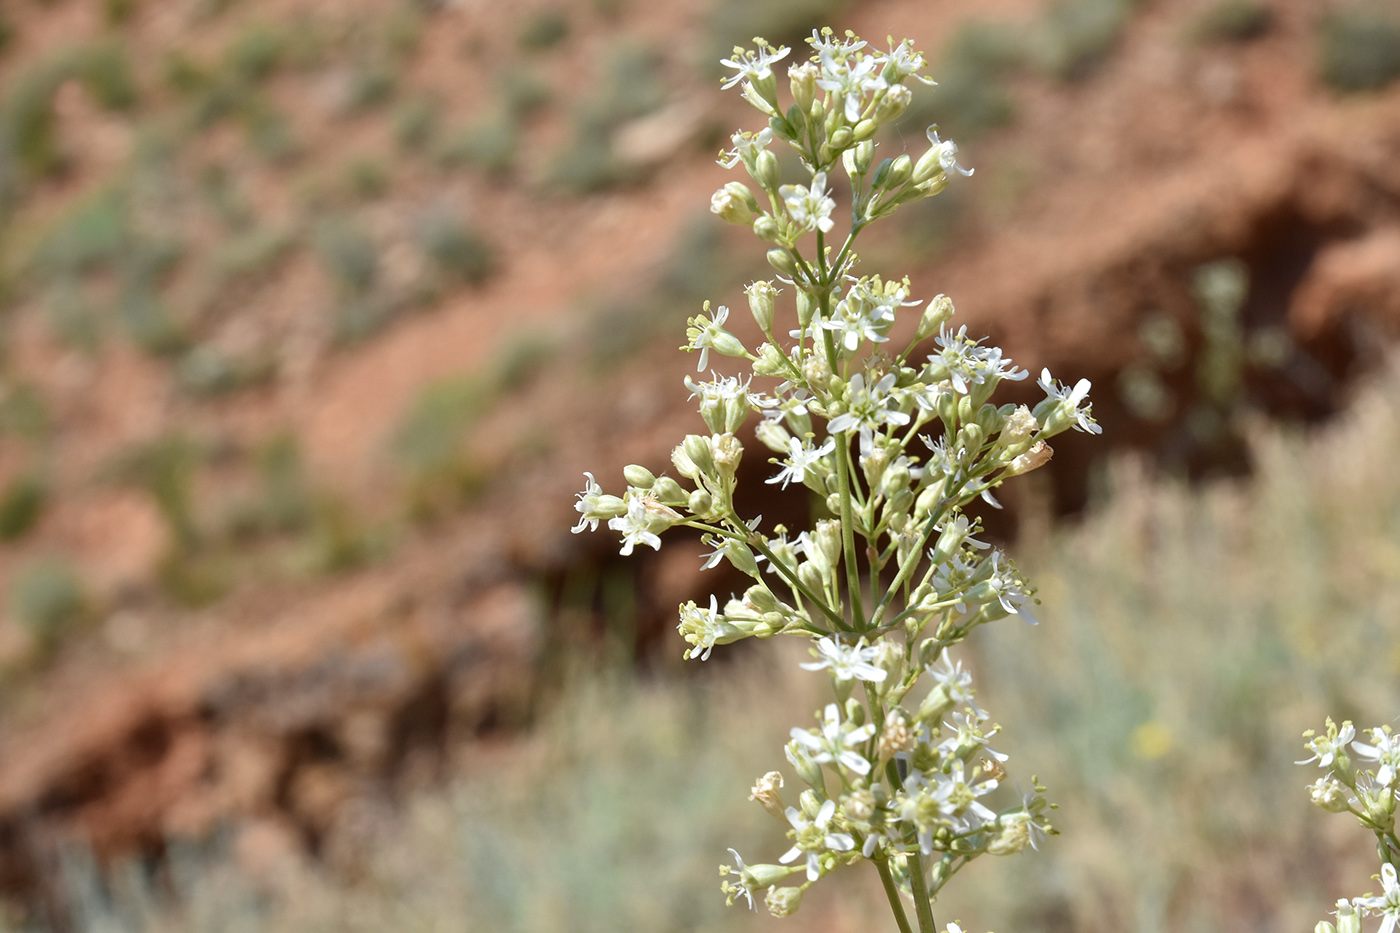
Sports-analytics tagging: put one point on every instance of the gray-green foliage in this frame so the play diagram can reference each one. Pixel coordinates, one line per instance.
(737, 22)
(48, 597)
(1232, 21)
(1073, 37)
(454, 246)
(21, 503)
(1359, 48)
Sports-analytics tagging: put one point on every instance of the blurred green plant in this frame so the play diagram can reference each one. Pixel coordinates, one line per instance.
(348, 255)
(522, 91)
(631, 87)
(454, 246)
(1232, 21)
(731, 23)
(430, 445)
(21, 505)
(1072, 37)
(488, 145)
(416, 122)
(164, 469)
(971, 70)
(1359, 48)
(105, 72)
(543, 30)
(47, 596)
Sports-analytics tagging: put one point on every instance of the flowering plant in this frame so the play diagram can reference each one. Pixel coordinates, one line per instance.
(1370, 795)
(892, 447)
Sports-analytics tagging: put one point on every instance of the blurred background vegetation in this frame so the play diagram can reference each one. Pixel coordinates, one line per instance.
(291, 295)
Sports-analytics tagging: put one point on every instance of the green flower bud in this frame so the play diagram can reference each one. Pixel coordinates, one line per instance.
(668, 491)
(809, 803)
(773, 435)
(766, 171)
(828, 538)
(770, 361)
(768, 229)
(802, 79)
(1348, 917)
(782, 260)
(855, 712)
(685, 466)
(1324, 927)
(898, 174)
(967, 410)
(862, 155)
(700, 504)
(735, 204)
(638, 476)
(864, 130)
(762, 297)
(989, 420)
(892, 104)
(697, 448)
(841, 138)
(812, 576)
(763, 94)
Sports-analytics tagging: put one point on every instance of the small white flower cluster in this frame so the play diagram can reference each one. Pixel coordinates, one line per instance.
(1370, 794)
(891, 447)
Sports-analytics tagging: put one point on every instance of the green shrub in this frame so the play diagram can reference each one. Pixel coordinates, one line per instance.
(415, 122)
(489, 146)
(370, 86)
(254, 54)
(522, 92)
(631, 88)
(23, 412)
(105, 72)
(1360, 49)
(454, 246)
(48, 598)
(21, 504)
(348, 254)
(971, 95)
(287, 497)
(543, 30)
(27, 129)
(164, 469)
(268, 132)
(1074, 36)
(430, 444)
(1232, 21)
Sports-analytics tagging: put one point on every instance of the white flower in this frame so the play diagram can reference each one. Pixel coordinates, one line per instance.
(752, 65)
(642, 520)
(1388, 903)
(947, 153)
(705, 628)
(1010, 590)
(593, 506)
(968, 363)
(746, 147)
(955, 682)
(847, 661)
(703, 334)
(850, 82)
(868, 408)
(808, 205)
(800, 460)
(812, 837)
(1385, 748)
(1069, 400)
(828, 50)
(836, 741)
(744, 888)
(1325, 747)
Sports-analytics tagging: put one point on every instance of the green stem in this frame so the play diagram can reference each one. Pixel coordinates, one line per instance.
(892, 895)
(848, 534)
(792, 578)
(923, 909)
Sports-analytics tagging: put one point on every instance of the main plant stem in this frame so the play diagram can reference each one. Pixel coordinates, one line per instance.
(922, 908)
(892, 895)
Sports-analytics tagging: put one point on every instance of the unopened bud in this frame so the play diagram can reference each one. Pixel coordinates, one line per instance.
(807, 769)
(803, 81)
(862, 154)
(735, 204)
(898, 174)
(828, 537)
(841, 137)
(774, 436)
(864, 130)
(766, 171)
(638, 476)
(669, 491)
(768, 229)
(727, 451)
(938, 313)
(782, 260)
(894, 102)
(770, 361)
(762, 298)
(697, 448)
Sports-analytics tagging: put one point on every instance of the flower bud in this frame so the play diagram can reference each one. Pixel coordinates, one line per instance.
(817, 371)
(762, 297)
(809, 803)
(841, 138)
(783, 901)
(766, 171)
(802, 79)
(1018, 427)
(773, 435)
(938, 313)
(638, 476)
(1348, 917)
(685, 466)
(864, 130)
(862, 154)
(770, 361)
(989, 419)
(898, 173)
(697, 448)
(828, 538)
(768, 228)
(892, 104)
(1328, 794)
(782, 260)
(763, 94)
(807, 769)
(700, 504)
(735, 203)
(1324, 927)
(897, 736)
(669, 492)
